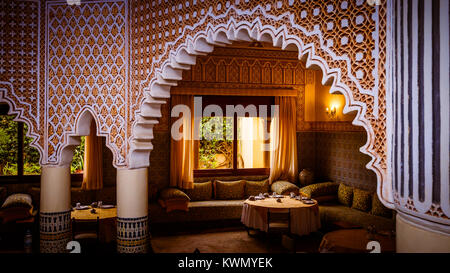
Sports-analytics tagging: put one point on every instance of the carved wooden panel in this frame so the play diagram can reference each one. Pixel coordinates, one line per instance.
(248, 68)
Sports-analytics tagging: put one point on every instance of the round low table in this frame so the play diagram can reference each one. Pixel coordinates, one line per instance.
(303, 218)
(86, 214)
(354, 240)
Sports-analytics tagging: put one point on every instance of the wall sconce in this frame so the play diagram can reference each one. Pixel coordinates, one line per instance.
(331, 112)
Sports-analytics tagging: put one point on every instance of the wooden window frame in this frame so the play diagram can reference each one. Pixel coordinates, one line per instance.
(222, 101)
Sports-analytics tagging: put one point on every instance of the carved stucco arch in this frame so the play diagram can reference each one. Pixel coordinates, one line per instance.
(148, 77)
(82, 128)
(167, 70)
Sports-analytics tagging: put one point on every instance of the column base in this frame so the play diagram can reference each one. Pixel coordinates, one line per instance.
(132, 235)
(55, 231)
(415, 237)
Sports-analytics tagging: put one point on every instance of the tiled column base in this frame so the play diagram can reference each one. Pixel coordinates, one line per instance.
(132, 235)
(55, 231)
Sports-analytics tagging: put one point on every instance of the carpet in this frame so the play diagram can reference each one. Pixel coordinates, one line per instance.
(231, 242)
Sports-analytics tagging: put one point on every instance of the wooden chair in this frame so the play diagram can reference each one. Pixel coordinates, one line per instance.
(86, 232)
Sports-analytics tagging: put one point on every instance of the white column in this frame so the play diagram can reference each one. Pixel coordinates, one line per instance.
(55, 224)
(418, 137)
(417, 238)
(132, 210)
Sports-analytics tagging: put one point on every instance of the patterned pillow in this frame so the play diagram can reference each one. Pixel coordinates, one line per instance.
(378, 208)
(200, 192)
(21, 200)
(256, 187)
(284, 187)
(173, 194)
(320, 189)
(345, 195)
(229, 190)
(362, 200)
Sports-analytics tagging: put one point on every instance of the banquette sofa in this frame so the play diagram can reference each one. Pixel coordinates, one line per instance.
(217, 199)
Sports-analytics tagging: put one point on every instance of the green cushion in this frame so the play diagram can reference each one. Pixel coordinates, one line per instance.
(345, 195)
(173, 194)
(378, 208)
(320, 189)
(229, 190)
(330, 214)
(200, 192)
(284, 187)
(362, 200)
(256, 187)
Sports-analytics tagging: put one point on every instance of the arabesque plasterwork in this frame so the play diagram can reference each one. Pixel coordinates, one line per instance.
(126, 78)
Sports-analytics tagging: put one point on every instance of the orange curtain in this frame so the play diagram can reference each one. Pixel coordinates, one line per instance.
(283, 160)
(182, 150)
(93, 161)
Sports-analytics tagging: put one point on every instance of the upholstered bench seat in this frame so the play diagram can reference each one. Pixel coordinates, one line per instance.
(330, 213)
(198, 211)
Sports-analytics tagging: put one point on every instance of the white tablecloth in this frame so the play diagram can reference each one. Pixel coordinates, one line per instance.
(303, 220)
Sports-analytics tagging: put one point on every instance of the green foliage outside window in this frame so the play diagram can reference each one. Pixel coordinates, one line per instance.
(9, 148)
(78, 158)
(216, 153)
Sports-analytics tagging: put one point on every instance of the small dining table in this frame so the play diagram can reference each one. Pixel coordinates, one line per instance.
(106, 217)
(86, 214)
(303, 218)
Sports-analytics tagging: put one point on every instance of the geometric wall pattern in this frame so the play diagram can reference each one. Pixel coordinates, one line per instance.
(20, 29)
(334, 156)
(87, 68)
(141, 48)
(346, 39)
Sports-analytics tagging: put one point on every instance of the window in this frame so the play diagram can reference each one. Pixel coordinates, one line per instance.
(19, 161)
(215, 151)
(17, 157)
(233, 145)
(252, 146)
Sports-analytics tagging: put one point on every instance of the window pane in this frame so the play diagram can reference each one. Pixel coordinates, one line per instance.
(78, 158)
(30, 156)
(216, 143)
(253, 144)
(8, 145)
